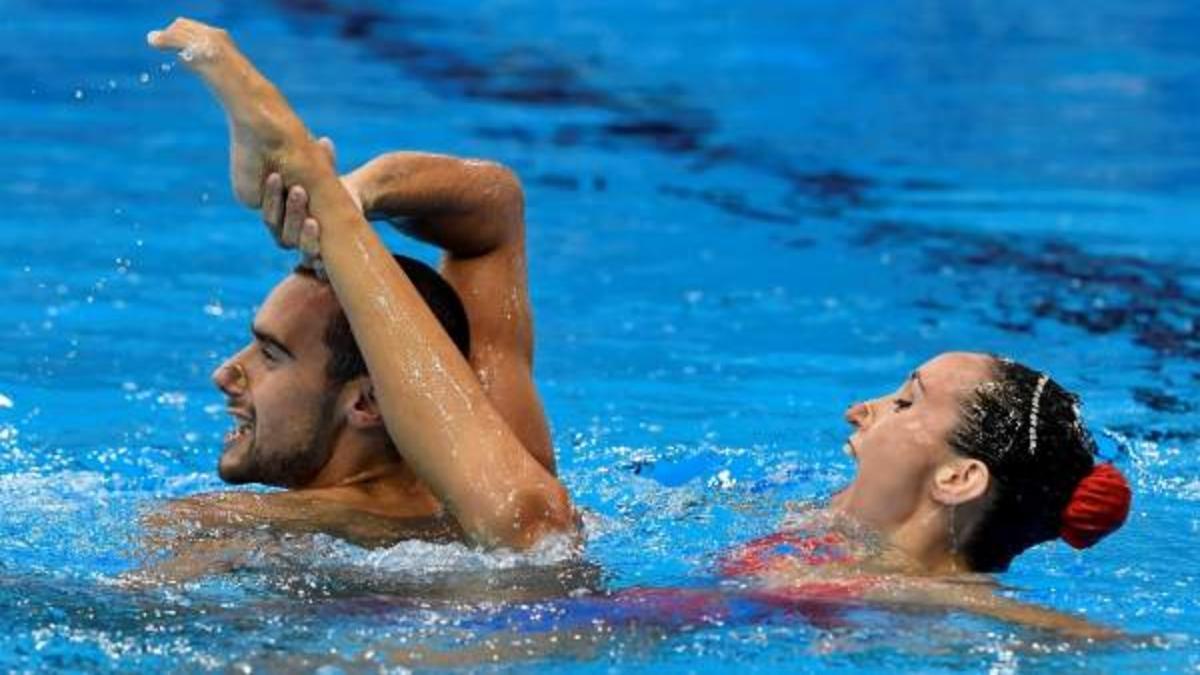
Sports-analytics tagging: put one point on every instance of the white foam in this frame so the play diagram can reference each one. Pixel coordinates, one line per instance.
(422, 558)
(63, 492)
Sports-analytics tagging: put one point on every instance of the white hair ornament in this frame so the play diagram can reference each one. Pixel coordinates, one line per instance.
(1033, 411)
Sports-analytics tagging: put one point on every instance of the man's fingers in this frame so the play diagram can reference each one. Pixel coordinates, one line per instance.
(295, 213)
(272, 205)
(326, 144)
(310, 247)
(310, 238)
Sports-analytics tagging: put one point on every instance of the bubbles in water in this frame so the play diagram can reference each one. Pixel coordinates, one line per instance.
(165, 67)
(172, 399)
(723, 480)
(5, 402)
(78, 94)
(144, 78)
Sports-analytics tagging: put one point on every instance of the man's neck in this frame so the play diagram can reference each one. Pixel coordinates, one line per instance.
(374, 480)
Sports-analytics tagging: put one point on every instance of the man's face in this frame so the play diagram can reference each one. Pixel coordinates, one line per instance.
(899, 439)
(276, 390)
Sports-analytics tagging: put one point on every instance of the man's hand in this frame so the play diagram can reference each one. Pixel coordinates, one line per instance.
(285, 212)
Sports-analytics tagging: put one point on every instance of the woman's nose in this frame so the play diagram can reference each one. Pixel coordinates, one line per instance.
(858, 414)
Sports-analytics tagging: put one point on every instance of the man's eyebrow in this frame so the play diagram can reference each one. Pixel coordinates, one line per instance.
(265, 337)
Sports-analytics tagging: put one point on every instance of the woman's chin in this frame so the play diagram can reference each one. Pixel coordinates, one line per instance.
(843, 499)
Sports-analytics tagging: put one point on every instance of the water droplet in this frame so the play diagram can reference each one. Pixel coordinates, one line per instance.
(174, 399)
(723, 480)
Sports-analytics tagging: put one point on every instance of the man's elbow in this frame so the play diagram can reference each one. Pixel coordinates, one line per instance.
(504, 193)
(537, 514)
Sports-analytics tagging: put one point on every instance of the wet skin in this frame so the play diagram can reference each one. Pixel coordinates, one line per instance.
(277, 391)
(427, 398)
(900, 438)
(442, 422)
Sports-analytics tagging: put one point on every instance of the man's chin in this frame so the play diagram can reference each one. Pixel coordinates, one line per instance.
(236, 465)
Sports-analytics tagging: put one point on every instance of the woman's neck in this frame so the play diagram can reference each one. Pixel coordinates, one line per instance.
(929, 541)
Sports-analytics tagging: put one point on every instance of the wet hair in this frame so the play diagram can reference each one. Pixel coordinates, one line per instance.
(346, 360)
(1027, 430)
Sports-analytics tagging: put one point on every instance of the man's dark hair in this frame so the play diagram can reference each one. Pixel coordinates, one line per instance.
(345, 359)
(1033, 471)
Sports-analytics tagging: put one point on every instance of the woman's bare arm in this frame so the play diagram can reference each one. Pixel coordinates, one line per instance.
(434, 408)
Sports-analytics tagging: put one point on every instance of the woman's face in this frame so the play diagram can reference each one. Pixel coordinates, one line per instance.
(900, 438)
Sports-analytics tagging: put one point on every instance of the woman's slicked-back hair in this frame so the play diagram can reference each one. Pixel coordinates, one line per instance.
(346, 361)
(1027, 430)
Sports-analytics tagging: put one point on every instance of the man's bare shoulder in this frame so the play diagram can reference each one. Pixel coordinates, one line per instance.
(307, 512)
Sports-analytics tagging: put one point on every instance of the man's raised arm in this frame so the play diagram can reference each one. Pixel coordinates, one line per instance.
(474, 211)
(434, 408)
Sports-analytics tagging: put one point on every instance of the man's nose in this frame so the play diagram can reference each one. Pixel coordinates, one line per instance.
(230, 377)
(858, 414)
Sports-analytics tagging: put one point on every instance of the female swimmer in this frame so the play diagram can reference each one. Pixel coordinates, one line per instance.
(973, 460)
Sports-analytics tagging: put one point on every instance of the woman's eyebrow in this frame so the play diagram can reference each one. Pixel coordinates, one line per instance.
(916, 377)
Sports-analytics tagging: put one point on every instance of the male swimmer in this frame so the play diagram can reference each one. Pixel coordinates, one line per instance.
(973, 460)
(390, 402)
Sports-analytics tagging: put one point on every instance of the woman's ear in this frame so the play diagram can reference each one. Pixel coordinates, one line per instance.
(362, 410)
(960, 481)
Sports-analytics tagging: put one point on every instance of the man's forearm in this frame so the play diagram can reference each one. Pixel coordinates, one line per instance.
(466, 207)
(435, 410)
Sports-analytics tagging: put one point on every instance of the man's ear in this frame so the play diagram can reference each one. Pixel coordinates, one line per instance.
(960, 480)
(362, 410)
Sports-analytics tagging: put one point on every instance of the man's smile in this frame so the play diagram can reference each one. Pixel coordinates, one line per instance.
(244, 423)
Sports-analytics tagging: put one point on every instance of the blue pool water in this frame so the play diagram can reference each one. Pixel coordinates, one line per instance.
(743, 216)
